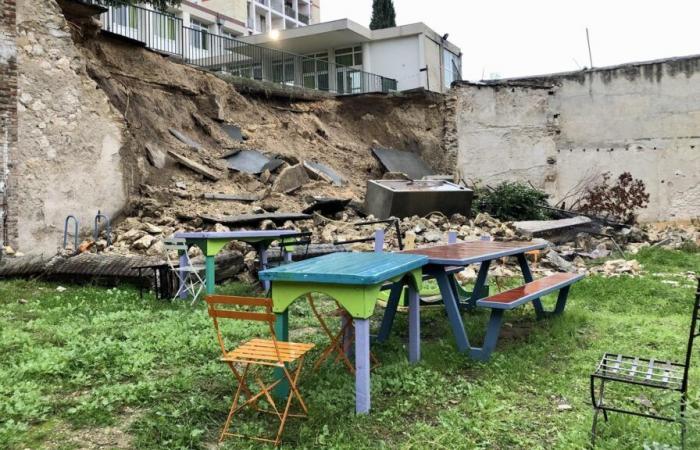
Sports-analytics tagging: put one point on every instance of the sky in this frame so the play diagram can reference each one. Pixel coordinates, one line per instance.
(510, 38)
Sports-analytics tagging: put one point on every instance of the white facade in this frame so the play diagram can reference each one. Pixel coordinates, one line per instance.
(413, 55)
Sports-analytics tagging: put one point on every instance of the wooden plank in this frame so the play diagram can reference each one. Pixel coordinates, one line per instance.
(535, 227)
(514, 297)
(633, 369)
(241, 197)
(241, 315)
(234, 300)
(616, 366)
(650, 372)
(195, 166)
(470, 252)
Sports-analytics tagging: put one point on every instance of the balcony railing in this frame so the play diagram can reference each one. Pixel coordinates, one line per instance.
(289, 11)
(303, 18)
(166, 33)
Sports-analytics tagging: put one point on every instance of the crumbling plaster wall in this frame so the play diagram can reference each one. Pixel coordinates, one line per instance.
(70, 136)
(556, 131)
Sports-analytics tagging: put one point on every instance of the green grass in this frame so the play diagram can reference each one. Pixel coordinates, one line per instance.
(94, 367)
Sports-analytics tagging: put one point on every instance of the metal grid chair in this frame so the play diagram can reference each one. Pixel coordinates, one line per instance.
(258, 352)
(191, 280)
(646, 372)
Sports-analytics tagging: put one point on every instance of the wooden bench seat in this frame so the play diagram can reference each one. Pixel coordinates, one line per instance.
(528, 292)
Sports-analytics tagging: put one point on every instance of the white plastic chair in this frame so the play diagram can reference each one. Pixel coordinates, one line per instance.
(189, 274)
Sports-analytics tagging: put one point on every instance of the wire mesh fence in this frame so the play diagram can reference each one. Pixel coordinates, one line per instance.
(166, 33)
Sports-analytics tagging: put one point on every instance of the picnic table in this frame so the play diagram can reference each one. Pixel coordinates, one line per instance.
(446, 260)
(211, 243)
(354, 280)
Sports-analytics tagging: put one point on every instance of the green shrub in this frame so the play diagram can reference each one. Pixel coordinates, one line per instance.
(512, 201)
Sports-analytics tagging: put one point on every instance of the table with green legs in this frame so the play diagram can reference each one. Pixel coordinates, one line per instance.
(354, 280)
(211, 243)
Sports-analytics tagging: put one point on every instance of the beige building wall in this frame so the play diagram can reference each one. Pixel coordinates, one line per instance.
(560, 130)
(237, 9)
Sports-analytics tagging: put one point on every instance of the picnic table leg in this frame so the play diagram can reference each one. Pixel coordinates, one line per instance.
(282, 334)
(452, 308)
(390, 312)
(210, 275)
(362, 365)
(527, 276)
(479, 284)
(413, 325)
(491, 338)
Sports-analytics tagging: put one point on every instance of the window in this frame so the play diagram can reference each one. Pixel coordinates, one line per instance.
(164, 26)
(315, 71)
(199, 37)
(351, 56)
(453, 65)
(126, 16)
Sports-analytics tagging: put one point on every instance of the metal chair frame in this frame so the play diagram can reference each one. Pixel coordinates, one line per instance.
(647, 372)
(270, 353)
(341, 341)
(189, 274)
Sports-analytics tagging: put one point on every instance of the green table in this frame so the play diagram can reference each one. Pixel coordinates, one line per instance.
(354, 280)
(211, 243)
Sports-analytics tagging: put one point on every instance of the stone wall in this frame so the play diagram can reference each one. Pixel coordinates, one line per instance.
(560, 130)
(8, 115)
(68, 160)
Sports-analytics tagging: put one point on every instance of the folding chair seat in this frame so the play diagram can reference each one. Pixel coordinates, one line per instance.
(644, 372)
(269, 353)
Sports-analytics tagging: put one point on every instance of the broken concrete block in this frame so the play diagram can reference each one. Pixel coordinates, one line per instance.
(152, 229)
(156, 157)
(559, 263)
(291, 179)
(195, 166)
(144, 243)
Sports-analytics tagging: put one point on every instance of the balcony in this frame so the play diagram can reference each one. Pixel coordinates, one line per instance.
(289, 11)
(303, 18)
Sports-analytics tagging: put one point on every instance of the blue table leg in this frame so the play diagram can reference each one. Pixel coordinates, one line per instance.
(282, 334)
(452, 307)
(362, 365)
(491, 338)
(390, 312)
(527, 276)
(183, 276)
(413, 325)
(479, 284)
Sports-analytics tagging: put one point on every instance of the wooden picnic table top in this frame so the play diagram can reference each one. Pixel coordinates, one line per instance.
(470, 252)
(346, 268)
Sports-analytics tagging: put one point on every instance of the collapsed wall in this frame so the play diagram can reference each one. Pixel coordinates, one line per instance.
(70, 137)
(99, 118)
(562, 130)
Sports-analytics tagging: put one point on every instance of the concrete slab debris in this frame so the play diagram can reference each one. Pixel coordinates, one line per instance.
(197, 167)
(538, 227)
(272, 165)
(240, 197)
(326, 205)
(232, 131)
(402, 161)
(248, 161)
(188, 141)
(248, 219)
(290, 179)
(322, 171)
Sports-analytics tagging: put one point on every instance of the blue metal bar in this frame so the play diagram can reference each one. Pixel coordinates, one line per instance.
(108, 227)
(390, 312)
(479, 284)
(491, 338)
(75, 233)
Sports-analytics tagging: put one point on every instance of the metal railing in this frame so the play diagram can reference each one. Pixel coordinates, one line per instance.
(290, 11)
(303, 18)
(166, 33)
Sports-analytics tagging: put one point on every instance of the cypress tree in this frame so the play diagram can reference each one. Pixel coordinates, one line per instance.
(383, 15)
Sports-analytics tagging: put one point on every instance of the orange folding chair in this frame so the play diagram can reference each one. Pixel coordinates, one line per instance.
(346, 331)
(258, 352)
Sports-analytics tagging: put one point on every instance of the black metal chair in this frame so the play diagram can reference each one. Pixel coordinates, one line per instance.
(652, 373)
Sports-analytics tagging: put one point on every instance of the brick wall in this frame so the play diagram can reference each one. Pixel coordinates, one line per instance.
(8, 118)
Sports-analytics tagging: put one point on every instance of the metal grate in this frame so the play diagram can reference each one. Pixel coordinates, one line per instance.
(647, 372)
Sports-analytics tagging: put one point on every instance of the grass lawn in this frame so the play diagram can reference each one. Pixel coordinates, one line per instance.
(91, 367)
